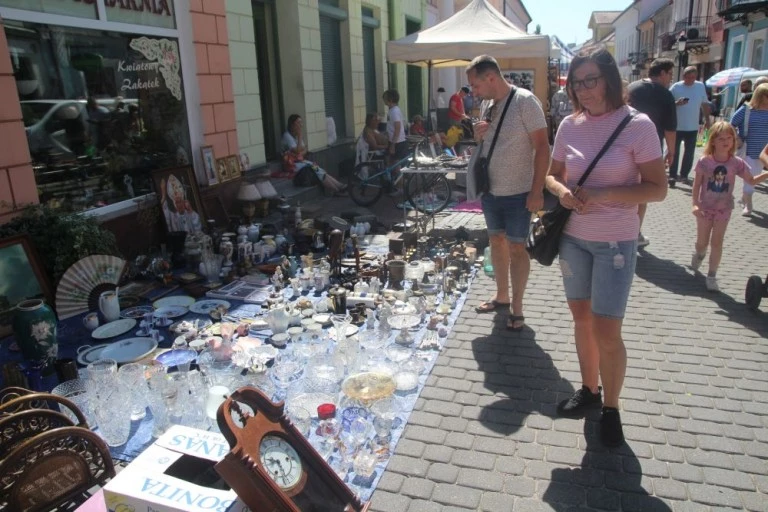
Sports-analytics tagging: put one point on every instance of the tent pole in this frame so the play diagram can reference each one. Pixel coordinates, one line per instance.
(429, 97)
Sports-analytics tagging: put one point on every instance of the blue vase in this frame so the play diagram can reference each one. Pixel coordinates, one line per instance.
(34, 327)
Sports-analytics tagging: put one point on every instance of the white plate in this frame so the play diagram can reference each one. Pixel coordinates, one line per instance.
(351, 331)
(203, 307)
(113, 329)
(130, 350)
(88, 354)
(171, 311)
(175, 300)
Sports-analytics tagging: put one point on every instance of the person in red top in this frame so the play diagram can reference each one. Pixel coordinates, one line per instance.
(456, 107)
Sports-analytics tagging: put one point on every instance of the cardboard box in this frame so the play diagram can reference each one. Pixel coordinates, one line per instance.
(175, 474)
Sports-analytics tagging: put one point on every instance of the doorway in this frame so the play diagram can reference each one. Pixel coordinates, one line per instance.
(414, 79)
(268, 68)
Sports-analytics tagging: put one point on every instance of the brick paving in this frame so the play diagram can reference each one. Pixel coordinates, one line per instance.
(484, 434)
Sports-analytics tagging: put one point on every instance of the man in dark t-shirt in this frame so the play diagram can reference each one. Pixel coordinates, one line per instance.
(651, 96)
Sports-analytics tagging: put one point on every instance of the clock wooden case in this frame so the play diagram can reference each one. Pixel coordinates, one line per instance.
(271, 466)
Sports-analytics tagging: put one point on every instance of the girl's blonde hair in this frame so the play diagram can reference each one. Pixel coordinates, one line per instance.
(719, 128)
(760, 93)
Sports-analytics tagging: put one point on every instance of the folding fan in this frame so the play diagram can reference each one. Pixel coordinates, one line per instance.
(83, 282)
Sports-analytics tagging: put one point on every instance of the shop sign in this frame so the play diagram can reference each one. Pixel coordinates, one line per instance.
(158, 13)
(162, 57)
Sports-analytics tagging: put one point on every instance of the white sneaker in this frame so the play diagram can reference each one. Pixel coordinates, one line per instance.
(642, 241)
(696, 260)
(712, 284)
(746, 212)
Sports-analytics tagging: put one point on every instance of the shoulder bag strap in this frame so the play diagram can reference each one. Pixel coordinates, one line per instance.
(624, 122)
(501, 120)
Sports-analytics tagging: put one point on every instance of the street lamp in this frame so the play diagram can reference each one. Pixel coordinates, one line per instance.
(681, 55)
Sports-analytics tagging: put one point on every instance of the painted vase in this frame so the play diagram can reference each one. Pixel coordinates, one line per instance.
(34, 326)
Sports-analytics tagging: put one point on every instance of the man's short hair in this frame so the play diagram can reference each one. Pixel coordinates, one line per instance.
(484, 64)
(660, 65)
(762, 80)
(465, 89)
(690, 69)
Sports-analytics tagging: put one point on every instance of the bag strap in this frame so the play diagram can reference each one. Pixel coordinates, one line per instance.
(624, 122)
(501, 120)
(746, 121)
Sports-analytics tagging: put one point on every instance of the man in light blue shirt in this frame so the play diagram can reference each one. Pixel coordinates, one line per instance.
(691, 99)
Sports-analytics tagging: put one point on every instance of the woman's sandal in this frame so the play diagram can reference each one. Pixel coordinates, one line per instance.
(514, 319)
(491, 305)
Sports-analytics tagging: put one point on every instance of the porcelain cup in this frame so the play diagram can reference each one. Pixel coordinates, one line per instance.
(91, 321)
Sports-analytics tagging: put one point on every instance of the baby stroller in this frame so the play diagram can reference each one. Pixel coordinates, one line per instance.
(756, 290)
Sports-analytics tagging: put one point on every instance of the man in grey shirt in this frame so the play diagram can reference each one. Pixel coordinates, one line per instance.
(517, 169)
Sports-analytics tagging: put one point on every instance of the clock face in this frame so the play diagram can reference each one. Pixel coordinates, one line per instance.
(280, 460)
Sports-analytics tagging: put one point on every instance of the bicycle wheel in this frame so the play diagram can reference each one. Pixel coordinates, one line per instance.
(428, 192)
(365, 184)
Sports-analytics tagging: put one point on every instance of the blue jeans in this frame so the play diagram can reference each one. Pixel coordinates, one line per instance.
(598, 271)
(507, 214)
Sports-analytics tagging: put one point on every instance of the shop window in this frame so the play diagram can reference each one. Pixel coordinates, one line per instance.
(757, 53)
(101, 110)
(333, 73)
(370, 24)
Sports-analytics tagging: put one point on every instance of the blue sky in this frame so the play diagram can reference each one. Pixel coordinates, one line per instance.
(568, 19)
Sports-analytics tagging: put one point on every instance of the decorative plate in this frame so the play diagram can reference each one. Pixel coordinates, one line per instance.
(80, 286)
(205, 306)
(171, 311)
(113, 329)
(90, 353)
(176, 357)
(137, 312)
(175, 300)
(130, 350)
(310, 401)
(351, 331)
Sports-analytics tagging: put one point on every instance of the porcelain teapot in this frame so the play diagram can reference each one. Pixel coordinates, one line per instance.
(109, 305)
(278, 319)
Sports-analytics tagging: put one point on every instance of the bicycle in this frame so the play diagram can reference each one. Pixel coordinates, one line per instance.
(428, 192)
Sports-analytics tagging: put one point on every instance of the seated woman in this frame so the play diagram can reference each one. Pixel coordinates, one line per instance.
(376, 140)
(295, 150)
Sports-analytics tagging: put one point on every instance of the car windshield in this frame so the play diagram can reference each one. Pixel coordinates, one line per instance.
(33, 112)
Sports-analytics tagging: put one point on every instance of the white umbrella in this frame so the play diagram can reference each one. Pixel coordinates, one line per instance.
(727, 77)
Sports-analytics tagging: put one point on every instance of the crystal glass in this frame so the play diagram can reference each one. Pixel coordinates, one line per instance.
(286, 370)
(113, 418)
(132, 378)
(75, 391)
(371, 340)
(300, 418)
(340, 323)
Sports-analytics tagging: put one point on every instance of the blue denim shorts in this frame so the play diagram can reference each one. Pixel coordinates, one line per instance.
(507, 214)
(598, 271)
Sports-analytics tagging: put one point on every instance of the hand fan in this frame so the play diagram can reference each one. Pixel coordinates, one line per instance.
(83, 282)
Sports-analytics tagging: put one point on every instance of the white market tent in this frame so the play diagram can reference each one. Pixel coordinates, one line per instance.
(478, 29)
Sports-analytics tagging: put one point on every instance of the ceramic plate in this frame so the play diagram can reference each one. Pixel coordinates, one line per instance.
(351, 330)
(137, 312)
(171, 311)
(175, 300)
(88, 354)
(203, 307)
(130, 350)
(322, 319)
(113, 329)
(176, 357)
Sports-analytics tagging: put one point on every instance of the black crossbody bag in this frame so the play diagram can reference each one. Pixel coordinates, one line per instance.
(482, 175)
(543, 243)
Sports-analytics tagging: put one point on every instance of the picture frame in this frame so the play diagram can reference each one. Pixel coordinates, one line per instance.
(245, 162)
(222, 169)
(209, 164)
(21, 278)
(179, 198)
(234, 167)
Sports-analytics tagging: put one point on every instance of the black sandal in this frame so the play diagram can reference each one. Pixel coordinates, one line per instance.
(512, 320)
(491, 305)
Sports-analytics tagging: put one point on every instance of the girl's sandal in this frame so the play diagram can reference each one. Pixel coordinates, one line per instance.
(515, 323)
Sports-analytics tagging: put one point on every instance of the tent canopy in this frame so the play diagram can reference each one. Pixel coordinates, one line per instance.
(478, 29)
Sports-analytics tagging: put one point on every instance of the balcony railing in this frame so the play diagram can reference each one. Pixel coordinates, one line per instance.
(695, 30)
(739, 10)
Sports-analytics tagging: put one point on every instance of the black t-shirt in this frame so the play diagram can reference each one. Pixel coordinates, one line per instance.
(655, 101)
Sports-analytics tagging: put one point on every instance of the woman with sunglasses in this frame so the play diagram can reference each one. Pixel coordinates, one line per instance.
(599, 246)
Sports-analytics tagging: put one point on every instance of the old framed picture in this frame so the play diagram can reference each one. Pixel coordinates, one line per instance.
(179, 199)
(233, 166)
(222, 169)
(520, 77)
(245, 162)
(209, 163)
(21, 278)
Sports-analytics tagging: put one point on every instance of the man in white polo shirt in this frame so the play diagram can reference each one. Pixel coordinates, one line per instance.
(691, 99)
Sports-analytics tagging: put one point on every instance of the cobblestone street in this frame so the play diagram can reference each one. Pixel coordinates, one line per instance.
(485, 435)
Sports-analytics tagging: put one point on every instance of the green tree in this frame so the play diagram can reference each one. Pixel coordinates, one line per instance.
(538, 29)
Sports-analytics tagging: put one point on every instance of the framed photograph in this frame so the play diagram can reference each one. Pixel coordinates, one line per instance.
(209, 162)
(520, 77)
(245, 162)
(179, 199)
(21, 278)
(222, 169)
(233, 167)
